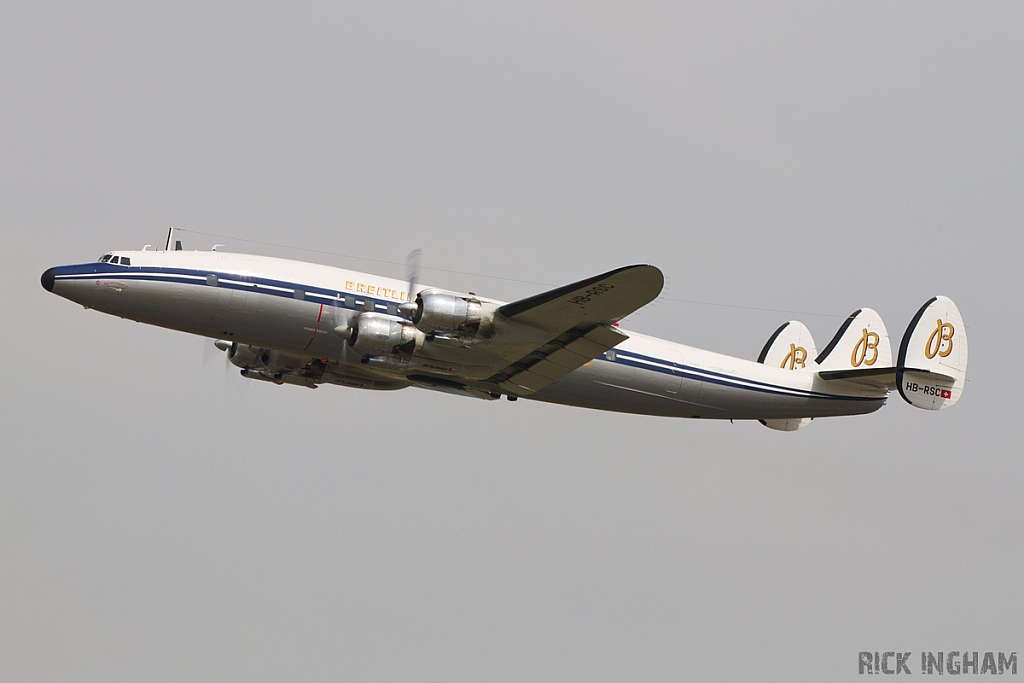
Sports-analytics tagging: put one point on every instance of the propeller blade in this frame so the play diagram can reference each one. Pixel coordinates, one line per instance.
(343, 321)
(412, 268)
(339, 321)
(210, 349)
(235, 386)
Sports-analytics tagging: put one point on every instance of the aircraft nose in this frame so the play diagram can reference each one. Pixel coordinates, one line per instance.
(47, 279)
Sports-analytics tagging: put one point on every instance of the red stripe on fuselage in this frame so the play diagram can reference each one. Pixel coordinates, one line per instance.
(318, 315)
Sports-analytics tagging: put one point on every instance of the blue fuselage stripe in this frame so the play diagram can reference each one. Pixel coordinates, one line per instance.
(334, 297)
(700, 374)
(248, 283)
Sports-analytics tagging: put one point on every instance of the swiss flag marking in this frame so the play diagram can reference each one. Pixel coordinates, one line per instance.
(947, 393)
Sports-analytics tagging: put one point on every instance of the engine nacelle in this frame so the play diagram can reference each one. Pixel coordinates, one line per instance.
(377, 334)
(447, 313)
(247, 356)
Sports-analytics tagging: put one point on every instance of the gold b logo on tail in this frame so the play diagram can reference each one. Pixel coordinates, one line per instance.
(940, 343)
(868, 342)
(797, 356)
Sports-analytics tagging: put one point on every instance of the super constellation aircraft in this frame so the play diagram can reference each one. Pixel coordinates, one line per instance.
(290, 322)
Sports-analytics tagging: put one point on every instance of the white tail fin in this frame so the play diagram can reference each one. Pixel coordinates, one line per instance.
(791, 347)
(861, 342)
(932, 363)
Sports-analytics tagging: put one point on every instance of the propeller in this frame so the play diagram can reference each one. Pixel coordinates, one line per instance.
(412, 269)
(232, 385)
(209, 351)
(342, 323)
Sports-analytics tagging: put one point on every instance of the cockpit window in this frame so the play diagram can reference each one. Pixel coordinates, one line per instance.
(104, 258)
(113, 260)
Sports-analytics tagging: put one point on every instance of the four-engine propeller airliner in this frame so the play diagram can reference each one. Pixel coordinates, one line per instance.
(290, 322)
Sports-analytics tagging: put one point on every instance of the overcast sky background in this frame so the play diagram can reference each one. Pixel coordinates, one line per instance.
(160, 520)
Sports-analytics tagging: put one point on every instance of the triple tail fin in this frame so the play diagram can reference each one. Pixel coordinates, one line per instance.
(929, 372)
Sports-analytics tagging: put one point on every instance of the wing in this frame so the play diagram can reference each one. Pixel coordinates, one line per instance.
(557, 358)
(603, 298)
(575, 322)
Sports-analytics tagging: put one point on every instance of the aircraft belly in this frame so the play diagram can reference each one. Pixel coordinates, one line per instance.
(622, 388)
(618, 387)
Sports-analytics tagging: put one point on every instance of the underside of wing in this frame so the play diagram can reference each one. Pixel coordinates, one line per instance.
(575, 322)
(557, 358)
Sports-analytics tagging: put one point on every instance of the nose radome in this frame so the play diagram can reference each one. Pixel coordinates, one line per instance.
(47, 279)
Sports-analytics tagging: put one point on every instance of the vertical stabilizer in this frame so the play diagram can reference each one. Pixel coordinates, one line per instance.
(790, 348)
(932, 363)
(861, 342)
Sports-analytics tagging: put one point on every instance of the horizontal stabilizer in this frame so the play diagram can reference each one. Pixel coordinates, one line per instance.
(881, 374)
(933, 356)
(875, 380)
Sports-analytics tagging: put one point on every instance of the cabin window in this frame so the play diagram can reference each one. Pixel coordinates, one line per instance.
(125, 261)
(211, 280)
(350, 301)
(299, 294)
(392, 309)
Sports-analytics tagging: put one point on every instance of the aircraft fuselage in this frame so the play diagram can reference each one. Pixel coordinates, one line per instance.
(292, 309)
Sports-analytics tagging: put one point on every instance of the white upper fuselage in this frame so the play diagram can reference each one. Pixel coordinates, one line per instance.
(292, 308)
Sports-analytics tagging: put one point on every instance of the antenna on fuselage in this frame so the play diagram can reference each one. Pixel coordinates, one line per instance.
(170, 235)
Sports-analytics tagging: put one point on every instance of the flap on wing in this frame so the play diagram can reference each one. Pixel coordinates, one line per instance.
(557, 358)
(604, 298)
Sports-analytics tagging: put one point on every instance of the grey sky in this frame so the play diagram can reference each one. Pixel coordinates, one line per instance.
(161, 520)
